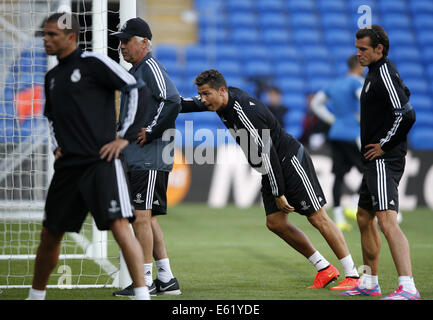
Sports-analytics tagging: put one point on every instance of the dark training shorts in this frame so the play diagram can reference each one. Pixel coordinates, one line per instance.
(345, 155)
(302, 187)
(379, 186)
(149, 190)
(100, 188)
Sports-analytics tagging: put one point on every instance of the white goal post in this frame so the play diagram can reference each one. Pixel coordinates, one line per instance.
(90, 258)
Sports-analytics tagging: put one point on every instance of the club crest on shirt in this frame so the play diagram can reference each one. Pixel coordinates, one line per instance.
(76, 75)
(367, 87)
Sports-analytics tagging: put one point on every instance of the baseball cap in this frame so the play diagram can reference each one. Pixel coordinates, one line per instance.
(134, 27)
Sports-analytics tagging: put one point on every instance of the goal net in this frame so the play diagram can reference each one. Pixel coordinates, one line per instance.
(90, 258)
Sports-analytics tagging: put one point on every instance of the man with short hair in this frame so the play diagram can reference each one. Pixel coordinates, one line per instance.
(386, 118)
(88, 175)
(147, 170)
(289, 181)
(342, 95)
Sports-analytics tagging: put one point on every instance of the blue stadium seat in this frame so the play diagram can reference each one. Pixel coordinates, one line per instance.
(229, 68)
(335, 20)
(417, 85)
(296, 6)
(265, 6)
(303, 20)
(318, 83)
(421, 6)
(173, 68)
(294, 100)
(287, 68)
(425, 38)
(319, 69)
(193, 68)
(427, 54)
(337, 37)
(166, 52)
(240, 5)
(204, 5)
(196, 53)
(294, 119)
(396, 21)
(423, 21)
(280, 36)
(242, 19)
(295, 130)
(341, 67)
(213, 35)
(422, 102)
(392, 6)
(273, 20)
(410, 70)
(341, 53)
(310, 36)
(211, 20)
(227, 52)
(421, 139)
(314, 52)
(405, 54)
(331, 6)
(236, 80)
(280, 52)
(245, 36)
(291, 84)
(258, 68)
(254, 53)
(429, 71)
(402, 37)
(424, 119)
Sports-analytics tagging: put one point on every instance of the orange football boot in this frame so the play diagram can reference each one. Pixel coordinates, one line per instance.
(346, 284)
(324, 277)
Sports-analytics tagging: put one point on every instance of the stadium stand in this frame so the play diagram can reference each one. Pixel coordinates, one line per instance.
(296, 45)
(302, 45)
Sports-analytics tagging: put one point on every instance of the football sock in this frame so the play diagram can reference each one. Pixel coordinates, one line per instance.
(164, 270)
(141, 293)
(148, 273)
(349, 267)
(36, 294)
(407, 283)
(318, 261)
(368, 281)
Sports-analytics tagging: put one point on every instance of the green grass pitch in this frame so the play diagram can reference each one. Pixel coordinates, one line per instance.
(220, 254)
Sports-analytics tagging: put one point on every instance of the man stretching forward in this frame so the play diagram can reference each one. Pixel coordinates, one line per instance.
(288, 174)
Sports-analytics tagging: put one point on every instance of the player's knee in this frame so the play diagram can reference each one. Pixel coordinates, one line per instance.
(364, 218)
(273, 222)
(319, 218)
(387, 222)
(143, 217)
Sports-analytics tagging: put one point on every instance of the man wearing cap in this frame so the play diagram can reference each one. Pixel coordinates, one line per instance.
(147, 169)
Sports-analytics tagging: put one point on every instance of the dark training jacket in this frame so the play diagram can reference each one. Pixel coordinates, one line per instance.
(267, 144)
(158, 107)
(80, 105)
(386, 113)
